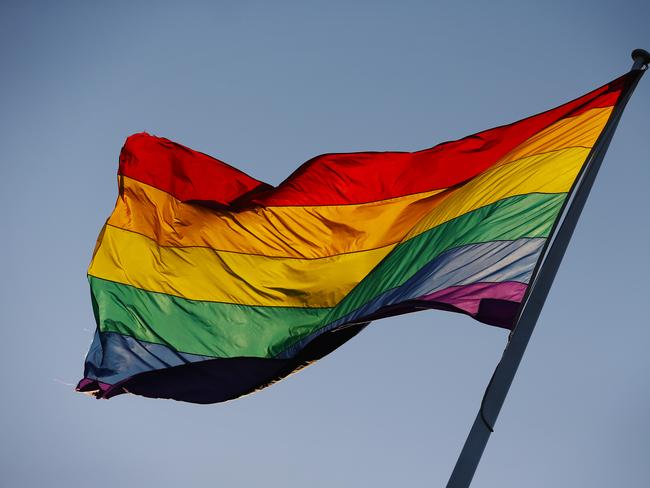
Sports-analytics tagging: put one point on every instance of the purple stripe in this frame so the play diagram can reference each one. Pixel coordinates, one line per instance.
(468, 297)
(94, 387)
(492, 303)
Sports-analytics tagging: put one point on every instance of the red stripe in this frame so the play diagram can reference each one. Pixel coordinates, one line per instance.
(339, 179)
(186, 174)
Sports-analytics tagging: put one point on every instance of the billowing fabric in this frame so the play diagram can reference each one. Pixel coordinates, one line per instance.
(208, 284)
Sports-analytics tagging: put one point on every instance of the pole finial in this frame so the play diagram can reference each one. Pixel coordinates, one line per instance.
(641, 58)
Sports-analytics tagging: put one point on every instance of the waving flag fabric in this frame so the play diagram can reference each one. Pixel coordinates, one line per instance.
(208, 284)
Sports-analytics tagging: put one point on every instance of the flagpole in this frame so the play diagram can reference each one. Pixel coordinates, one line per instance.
(497, 389)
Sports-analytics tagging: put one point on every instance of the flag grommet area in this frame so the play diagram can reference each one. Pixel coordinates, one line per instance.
(208, 284)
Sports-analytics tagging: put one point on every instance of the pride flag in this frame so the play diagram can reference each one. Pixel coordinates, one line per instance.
(208, 284)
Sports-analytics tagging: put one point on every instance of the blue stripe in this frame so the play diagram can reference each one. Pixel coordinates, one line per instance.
(493, 262)
(115, 357)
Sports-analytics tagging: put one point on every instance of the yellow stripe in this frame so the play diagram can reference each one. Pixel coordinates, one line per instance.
(206, 274)
(313, 231)
(551, 172)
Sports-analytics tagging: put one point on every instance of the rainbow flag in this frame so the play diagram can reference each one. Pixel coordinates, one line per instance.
(208, 284)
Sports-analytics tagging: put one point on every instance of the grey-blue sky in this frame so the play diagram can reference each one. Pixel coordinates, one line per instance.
(265, 86)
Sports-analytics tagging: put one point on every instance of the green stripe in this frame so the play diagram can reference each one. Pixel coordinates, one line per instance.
(529, 216)
(231, 330)
(192, 326)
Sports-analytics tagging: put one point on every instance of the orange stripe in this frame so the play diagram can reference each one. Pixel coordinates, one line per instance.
(313, 231)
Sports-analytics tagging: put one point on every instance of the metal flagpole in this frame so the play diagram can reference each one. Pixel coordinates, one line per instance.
(504, 373)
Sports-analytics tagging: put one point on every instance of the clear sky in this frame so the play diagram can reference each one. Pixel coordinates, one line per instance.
(265, 86)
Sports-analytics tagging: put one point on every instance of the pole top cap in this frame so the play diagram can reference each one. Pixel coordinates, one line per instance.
(641, 58)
